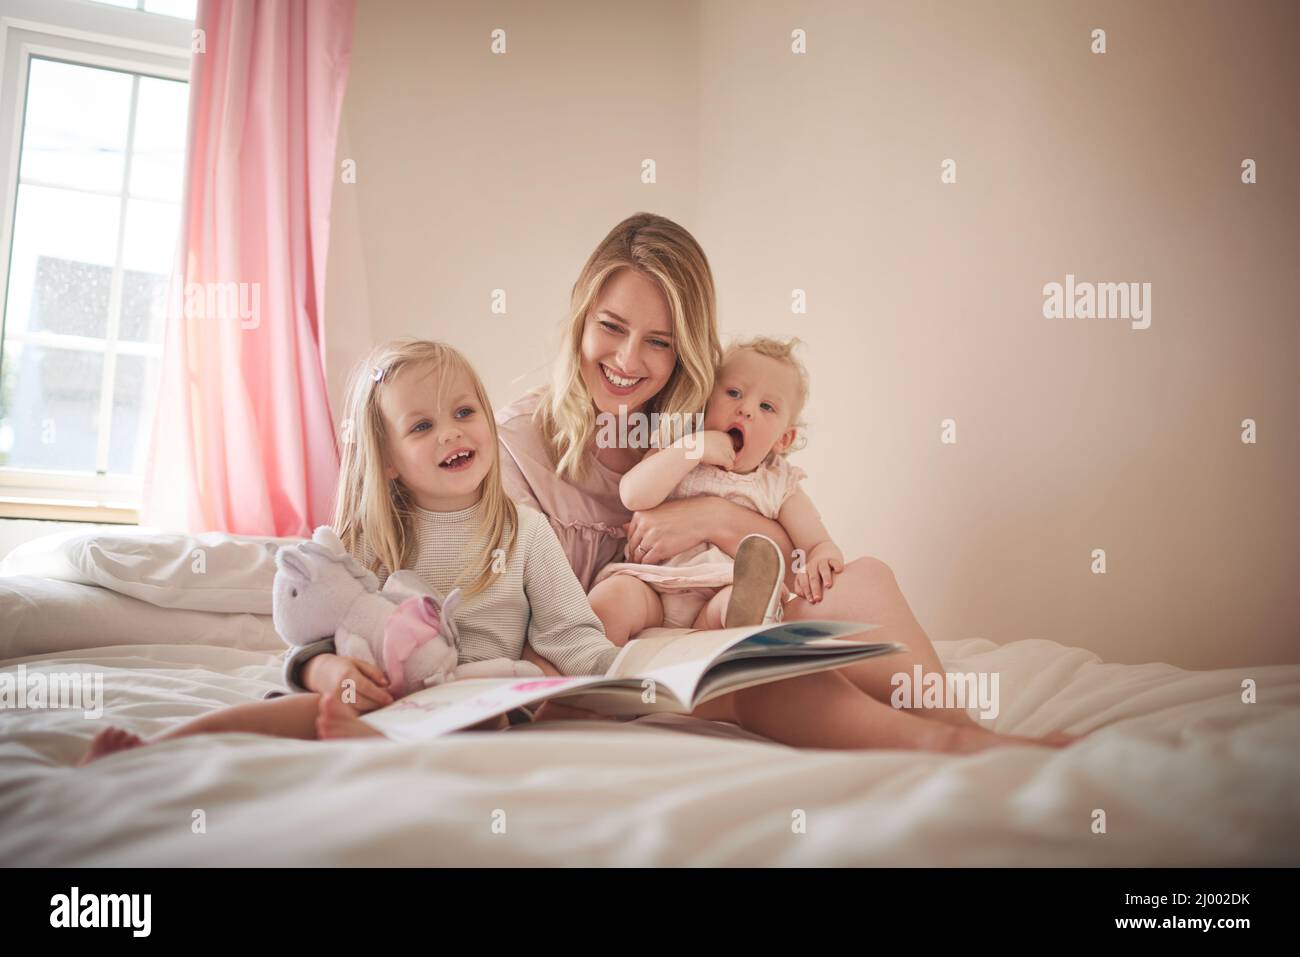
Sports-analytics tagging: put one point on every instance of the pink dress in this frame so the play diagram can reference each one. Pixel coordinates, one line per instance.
(686, 581)
(588, 516)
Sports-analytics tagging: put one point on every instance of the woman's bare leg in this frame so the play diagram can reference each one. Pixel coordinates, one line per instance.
(866, 591)
(826, 710)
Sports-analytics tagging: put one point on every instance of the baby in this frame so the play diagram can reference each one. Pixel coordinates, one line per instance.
(750, 423)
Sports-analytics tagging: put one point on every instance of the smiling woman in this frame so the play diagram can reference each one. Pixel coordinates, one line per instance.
(642, 338)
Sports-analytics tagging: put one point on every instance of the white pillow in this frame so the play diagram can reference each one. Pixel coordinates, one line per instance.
(208, 572)
(40, 617)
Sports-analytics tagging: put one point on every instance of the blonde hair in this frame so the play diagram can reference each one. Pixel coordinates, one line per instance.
(669, 256)
(373, 509)
(783, 350)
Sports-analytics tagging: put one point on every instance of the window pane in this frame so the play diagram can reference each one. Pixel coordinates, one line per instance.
(75, 125)
(49, 404)
(185, 9)
(135, 383)
(62, 261)
(150, 245)
(158, 152)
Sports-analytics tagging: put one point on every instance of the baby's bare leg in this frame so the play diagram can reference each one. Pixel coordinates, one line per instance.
(626, 606)
(714, 614)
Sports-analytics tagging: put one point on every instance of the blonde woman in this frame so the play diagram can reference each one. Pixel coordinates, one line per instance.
(641, 337)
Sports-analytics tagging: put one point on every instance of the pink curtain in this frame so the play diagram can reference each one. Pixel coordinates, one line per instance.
(243, 439)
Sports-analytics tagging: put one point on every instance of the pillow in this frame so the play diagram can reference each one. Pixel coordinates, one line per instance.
(213, 571)
(44, 617)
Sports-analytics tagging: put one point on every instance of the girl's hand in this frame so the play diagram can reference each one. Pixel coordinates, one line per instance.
(718, 450)
(328, 674)
(547, 668)
(659, 533)
(823, 563)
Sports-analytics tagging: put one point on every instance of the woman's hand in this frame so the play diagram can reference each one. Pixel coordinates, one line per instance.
(659, 533)
(329, 674)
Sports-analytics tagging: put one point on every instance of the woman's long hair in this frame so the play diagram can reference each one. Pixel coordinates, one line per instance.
(670, 256)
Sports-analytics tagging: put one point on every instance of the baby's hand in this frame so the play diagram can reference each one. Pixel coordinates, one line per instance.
(823, 563)
(718, 449)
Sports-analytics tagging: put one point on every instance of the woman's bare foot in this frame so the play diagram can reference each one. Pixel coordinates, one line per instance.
(108, 741)
(1060, 739)
(337, 719)
(963, 740)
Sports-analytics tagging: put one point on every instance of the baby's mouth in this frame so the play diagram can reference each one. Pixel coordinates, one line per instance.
(737, 438)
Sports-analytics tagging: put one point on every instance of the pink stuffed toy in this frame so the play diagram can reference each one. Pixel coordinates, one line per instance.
(321, 591)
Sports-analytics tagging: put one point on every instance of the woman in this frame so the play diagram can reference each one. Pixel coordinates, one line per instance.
(642, 334)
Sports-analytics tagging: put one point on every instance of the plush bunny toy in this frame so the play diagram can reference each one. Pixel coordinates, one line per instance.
(321, 591)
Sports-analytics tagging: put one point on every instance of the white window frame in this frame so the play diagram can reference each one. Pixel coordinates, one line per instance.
(96, 35)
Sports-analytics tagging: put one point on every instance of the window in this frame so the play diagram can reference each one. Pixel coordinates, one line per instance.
(92, 141)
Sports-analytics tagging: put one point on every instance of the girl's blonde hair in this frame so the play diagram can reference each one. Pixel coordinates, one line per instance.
(783, 350)
(670, 256)
(373, 509)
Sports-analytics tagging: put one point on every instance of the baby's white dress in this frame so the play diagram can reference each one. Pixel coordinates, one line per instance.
(688, 580)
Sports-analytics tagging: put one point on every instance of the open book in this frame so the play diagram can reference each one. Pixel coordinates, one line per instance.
(672, 671)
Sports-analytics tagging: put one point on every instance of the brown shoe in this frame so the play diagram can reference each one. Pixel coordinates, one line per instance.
(756, 584)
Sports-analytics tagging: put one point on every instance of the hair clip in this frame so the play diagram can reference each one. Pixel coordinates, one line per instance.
(378, 374)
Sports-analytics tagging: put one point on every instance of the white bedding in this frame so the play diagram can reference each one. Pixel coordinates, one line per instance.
(1186, 773)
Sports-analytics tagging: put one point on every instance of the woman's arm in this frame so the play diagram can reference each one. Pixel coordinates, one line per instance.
(683, 523)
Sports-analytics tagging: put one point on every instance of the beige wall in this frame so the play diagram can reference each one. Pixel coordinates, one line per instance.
(821, 172)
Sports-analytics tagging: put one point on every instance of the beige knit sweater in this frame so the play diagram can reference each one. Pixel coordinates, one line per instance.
(535, 596)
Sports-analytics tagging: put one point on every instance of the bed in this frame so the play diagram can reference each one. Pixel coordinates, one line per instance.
(1182, 770)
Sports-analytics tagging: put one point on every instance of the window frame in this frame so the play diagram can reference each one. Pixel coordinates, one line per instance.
(85, 33)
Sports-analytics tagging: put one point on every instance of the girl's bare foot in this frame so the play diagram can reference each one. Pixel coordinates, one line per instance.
(108, 741)
(337, 719)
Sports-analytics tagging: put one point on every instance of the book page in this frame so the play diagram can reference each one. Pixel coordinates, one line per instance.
(460, 704)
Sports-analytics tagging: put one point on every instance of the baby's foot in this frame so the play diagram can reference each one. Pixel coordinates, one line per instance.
(337, 719)
(108, 741)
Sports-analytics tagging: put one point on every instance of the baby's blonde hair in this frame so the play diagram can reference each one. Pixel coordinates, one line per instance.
(674, 261)
(783, 350)
(379, 511)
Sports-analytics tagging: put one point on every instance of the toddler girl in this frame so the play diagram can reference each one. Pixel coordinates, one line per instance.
(420, 488)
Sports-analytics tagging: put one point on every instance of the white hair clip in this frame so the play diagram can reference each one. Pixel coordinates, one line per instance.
(378, 374)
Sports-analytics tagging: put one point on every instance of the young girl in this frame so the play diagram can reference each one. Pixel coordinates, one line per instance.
(751, 422)
(420, 488)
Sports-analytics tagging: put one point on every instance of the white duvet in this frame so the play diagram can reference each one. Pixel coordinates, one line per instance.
(1184, 771)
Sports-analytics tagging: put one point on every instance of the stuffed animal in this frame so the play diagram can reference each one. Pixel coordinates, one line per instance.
(321, 591)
